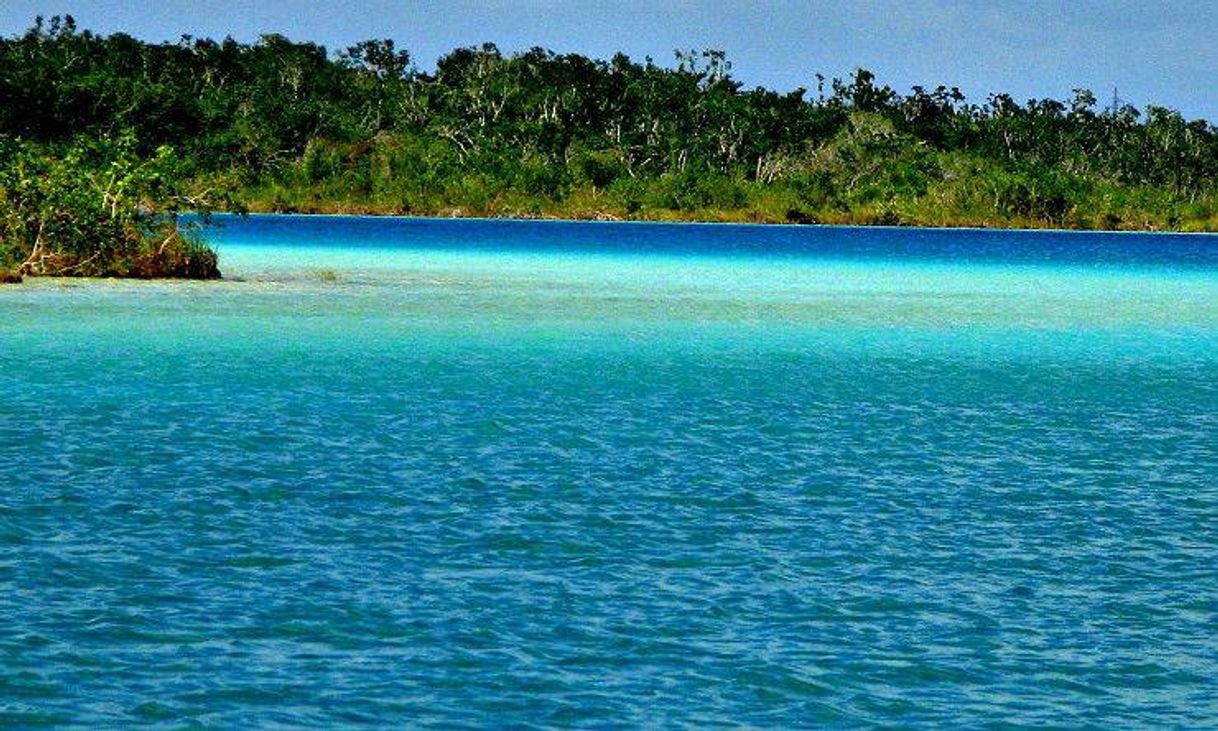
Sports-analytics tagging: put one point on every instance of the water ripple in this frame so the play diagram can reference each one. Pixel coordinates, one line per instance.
(311, 507)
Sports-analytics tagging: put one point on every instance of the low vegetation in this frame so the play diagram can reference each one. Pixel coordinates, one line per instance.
(97, 209)
(104, 140)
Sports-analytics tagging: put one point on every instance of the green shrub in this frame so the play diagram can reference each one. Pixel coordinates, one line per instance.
(98, 209)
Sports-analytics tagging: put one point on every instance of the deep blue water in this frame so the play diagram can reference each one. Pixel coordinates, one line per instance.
(836, 242)
(485, 473)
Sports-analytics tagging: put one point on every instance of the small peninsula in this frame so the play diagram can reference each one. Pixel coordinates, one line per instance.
(105, 139)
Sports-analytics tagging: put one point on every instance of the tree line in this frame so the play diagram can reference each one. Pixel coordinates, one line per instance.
(289, 126)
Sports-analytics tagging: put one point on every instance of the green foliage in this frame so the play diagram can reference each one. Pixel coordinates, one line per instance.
(1047, 196)
(539, 133)
(97, 208)
(596, 168)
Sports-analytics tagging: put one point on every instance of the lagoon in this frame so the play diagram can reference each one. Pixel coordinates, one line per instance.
(496, 472)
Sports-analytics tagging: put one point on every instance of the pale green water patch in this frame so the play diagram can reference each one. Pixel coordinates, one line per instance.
(584, 290)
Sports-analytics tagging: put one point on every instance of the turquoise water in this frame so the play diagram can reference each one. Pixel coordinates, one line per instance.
(485, 473)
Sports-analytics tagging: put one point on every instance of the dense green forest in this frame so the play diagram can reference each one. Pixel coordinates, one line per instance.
(106, 138)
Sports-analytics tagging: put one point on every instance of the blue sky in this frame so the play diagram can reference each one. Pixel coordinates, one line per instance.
(1161, 52)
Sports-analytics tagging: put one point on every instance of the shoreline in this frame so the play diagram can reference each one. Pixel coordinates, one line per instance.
(14, 277)
(706, 221)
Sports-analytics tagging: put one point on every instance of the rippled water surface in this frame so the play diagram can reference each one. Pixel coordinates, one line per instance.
(430, 472)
